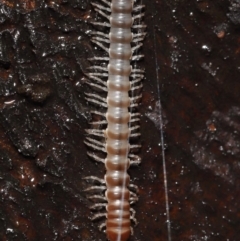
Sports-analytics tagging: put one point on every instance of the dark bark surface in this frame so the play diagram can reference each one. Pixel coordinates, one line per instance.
(191, 61)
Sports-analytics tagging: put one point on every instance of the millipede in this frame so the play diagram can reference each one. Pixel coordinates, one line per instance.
(112, 139)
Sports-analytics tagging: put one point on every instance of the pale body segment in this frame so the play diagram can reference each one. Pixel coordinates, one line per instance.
(117, 133)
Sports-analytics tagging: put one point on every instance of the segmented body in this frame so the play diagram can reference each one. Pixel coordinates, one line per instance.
(121, 117)
(117, 132)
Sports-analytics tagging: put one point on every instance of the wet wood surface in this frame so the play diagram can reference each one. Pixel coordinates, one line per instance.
(191, 89)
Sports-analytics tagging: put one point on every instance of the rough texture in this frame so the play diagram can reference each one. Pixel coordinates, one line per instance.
(194, 46)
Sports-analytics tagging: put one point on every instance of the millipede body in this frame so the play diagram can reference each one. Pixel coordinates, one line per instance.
(118, 85)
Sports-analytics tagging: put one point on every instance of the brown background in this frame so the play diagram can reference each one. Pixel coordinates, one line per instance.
(191, 56)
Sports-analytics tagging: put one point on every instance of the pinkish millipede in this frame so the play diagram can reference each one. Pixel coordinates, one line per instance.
(117, 124)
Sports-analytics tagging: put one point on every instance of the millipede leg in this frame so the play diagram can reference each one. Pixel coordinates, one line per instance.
(101, 24)
(135, 146)
(98, 206)
(106, 2)
(134, 127)
(102, 226)
(102, 13)
(134, 220)
(98, 43)
(96, 102)
(138, 70)
(95, 147)
(101, 88)
(99, 80)
(98, 215)
(138, 16)
(131, 231)
(100, 197)
(134, 163)
(96, 97)
(134, 188)
(134, 159)
(138, 8)
(93, 178)
(98, 59)
(132, 194)
(137, 57)
(133, 212)
(101, 7)
(136, 47)
(99, 39)
(96, 132)
(100, 34)
(139, 26)
(133, 200)
(137, 87)
(135, 135)
(133, 197)
(96, 158)
(94, 112)
(98, 74)
(135, 98)
(98, 67)
(97, 188)
(132, 217)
